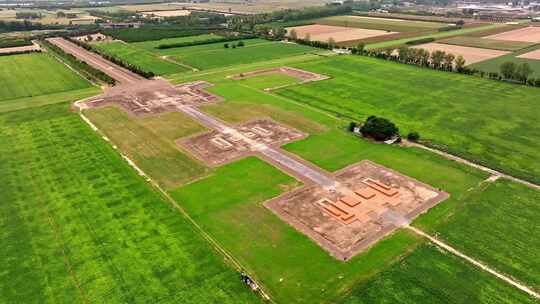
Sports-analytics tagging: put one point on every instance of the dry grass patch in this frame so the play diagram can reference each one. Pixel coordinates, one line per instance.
(527, 34)
(320, 32)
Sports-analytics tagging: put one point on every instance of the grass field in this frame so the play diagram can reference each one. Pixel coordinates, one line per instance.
(493, 65)
(486, 43)
(215, 55)
(431, 276)
(79, 226)
(30, 75)
(269, 81)
(509, 245)
(150, 143)
(438, 35)
(381, 24)
(144, 60)
(495, 131)
(151, 45)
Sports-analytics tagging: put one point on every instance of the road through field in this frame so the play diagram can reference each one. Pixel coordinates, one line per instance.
(118, 73)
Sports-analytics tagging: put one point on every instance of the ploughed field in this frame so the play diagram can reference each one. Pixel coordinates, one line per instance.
(486, 121)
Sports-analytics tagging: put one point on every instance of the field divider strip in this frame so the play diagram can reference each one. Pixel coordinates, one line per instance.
(476, 263)
(235, 263)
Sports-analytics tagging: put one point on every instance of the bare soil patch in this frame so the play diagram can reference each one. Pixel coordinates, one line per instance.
(171, 13)
(338, 33)
(471, 54)
(527, 34)
(33, 47)
(153, 97)
(216, 148)
(346, 224)
(531, 55)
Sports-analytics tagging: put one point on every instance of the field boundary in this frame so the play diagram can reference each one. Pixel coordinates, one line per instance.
(232, 261)
(476, 263)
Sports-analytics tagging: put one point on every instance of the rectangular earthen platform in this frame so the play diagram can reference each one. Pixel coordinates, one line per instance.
(216, 148)
(378, 202)
(154, 97)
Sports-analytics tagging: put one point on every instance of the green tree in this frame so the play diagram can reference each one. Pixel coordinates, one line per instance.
(403, 54)
(437, 58)
(460, 63)
(331, 43)
(508, 69)
(379, 128)
(523, 72)
(413, 136)
(449, 61)
(361, 47)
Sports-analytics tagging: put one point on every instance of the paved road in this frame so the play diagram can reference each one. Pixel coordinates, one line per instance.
(120, 74)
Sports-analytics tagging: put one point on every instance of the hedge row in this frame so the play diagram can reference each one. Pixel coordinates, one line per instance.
(88, 71)
(147, 33)
(203, 42)
(420, 41)
(20, 52)
(135, 69)
(7, 43)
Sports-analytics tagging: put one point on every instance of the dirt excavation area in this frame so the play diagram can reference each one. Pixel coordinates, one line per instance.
(153, 97)
(318, 32)
(217, 148)
(527, 34)
(471, 54)
(346, 223)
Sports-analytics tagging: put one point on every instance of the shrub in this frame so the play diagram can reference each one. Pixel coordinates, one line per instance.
(240, 43)
(352, 125)
(413, 136)
(420, 41)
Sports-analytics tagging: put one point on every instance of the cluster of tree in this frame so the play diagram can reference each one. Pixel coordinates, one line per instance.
(20, 52)
(512, 71)
(249, 23)
(377, 128)
(135, 69)
(114, 16)
(234, 45)
(196, 19)
(25, 25)
(157, 32)
(88, 71)
(27, 15)
(203, 42)
(14, 42)
(439, 60)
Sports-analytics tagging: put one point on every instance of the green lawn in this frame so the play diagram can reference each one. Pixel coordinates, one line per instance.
(150, 143)
(486, 121)
(431, 276)
(79, 226)
(485, 43)
(30, 75)
(141, 58)
(499, 227)
(269, 81)
(381, 23)
(493, 65)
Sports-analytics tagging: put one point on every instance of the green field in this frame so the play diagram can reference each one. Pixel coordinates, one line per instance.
(269, 81)
(510, 245)
(485, 43)
(494, 64)
(495, 131)
(140, 58)
(381, 24)
(150, 143)
(30, 75)
(431, 276)
(215, 55)
(79, 225)
(151, 45)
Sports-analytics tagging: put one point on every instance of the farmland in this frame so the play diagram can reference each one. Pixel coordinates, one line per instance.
(31, 75)
(470, 54)
(392, 25)
(140, 58)
(486, 43)
(493, 65)
(83, 227)
(442, 119)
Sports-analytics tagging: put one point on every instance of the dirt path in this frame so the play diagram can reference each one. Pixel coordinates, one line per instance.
(476, 263)
(477, 166)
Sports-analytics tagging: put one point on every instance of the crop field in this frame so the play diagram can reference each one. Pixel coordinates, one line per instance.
(431, 276)
(439, 109)
(486, 43)
(151, 45)
(373, 23)
(79, 226)
(31, 75)
(150, 142)
(494, 65)
(140, 58)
